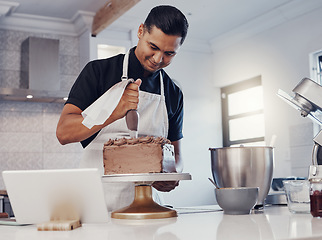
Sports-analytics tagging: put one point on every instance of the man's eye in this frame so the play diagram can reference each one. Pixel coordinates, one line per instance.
(170, 54)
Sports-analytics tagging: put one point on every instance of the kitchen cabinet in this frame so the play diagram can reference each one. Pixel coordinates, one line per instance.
(206, 222)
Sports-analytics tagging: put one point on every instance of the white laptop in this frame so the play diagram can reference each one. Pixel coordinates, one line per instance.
(34, 193)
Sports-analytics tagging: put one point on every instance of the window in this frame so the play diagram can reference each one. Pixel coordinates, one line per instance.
(243, 114)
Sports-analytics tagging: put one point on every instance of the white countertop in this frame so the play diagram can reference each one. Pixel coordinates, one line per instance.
(274, 222)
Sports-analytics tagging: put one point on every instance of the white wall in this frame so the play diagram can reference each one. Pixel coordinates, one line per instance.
(202, 125)
(281, 56)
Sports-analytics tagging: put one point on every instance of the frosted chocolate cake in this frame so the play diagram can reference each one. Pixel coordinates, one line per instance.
(138, 155)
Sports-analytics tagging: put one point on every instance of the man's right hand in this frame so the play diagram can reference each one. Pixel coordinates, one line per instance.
(70, 128)
(128, 101)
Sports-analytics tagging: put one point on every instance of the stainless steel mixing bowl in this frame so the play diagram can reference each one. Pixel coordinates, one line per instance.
(243, 167)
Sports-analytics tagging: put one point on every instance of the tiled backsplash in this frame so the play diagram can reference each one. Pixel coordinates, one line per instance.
(28, 129)
(28, 138)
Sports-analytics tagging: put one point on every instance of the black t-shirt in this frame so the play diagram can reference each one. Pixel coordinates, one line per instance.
(100, 75)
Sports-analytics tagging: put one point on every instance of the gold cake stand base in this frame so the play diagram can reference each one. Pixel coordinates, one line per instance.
(143, 207)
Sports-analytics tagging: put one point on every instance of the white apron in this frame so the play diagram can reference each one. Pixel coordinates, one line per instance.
(153, 121)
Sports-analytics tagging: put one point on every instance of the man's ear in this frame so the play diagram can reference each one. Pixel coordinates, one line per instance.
(141, 31)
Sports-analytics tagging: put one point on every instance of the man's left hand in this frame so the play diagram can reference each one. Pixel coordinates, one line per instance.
(165, 186)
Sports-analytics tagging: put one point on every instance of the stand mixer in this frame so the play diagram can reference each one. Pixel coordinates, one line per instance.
(308, 100)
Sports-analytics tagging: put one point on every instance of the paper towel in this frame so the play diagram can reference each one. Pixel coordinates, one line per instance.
(102, 108)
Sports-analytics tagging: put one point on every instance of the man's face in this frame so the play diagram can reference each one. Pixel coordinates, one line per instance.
(155, 50)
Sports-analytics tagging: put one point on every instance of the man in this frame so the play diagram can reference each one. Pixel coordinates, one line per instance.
(158, 100)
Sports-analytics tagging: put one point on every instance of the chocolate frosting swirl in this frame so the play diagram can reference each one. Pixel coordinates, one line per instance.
(133, 141)
(119, 142)
(147, 139)
(140, 140)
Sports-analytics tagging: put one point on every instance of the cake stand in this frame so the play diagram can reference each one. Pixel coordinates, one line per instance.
(143, 205)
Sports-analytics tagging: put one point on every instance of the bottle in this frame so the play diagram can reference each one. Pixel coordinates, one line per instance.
(316, 197)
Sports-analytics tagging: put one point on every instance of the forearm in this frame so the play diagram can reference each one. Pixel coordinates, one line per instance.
(70, 128)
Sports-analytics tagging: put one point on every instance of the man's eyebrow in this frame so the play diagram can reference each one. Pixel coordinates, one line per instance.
(153, 45)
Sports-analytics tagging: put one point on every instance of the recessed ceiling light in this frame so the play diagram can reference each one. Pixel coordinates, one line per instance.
(29, 96)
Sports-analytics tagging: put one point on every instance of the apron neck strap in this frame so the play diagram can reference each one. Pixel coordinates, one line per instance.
(125, 65)
(161, 85)
(125, 70)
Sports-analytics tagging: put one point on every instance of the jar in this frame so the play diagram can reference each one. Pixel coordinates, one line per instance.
(316, 197)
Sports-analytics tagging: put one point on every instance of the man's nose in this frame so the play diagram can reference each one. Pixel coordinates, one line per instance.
(158, 57)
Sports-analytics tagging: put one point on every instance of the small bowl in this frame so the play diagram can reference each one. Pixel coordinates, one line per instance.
(237, 201)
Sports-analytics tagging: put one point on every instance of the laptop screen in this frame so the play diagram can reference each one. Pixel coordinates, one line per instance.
(37, 195)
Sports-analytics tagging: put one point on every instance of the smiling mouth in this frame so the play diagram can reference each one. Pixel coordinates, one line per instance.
(153, 65)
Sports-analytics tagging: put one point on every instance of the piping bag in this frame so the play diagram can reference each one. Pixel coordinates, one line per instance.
(102, 108)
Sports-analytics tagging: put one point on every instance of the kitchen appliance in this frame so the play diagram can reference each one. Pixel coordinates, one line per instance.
(308, 100)
(243, 167)
(39, 75)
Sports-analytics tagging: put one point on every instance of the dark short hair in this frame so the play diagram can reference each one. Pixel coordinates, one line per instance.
(169, 19)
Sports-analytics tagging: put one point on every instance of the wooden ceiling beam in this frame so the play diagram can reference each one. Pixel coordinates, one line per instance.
(111, 11)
